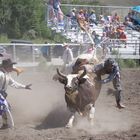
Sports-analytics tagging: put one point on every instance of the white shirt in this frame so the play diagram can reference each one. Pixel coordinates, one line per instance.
(67, 56)
(9, 81)
(92, 16)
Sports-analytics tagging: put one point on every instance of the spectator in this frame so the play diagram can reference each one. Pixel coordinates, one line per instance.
(106, 29)
(102, 19)
(67, 55)
(46, 52)
(3, 53)
(128, 16)
(113, 33)
(58, 51)
(86, 15)
(60, 15)
(129, 24)
(82, 21)
(73, 18)
(96, 38)
(103, 37)
(51, 11)
(115, 18)
(122, 37)
(92, 17)
(56, 6)
(107, 19)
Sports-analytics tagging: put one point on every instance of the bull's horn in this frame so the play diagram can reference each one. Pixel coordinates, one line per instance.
(60, 73)
(18, 70)
(83, 74)
(1, 55)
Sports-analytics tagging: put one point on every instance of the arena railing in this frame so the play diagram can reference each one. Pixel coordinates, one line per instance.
(31, 54)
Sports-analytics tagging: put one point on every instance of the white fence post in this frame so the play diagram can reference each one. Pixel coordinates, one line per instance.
(14, 52)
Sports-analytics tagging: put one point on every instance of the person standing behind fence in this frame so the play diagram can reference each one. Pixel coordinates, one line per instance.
(123, 37)
(92, 17)
(56, 6)
(51, 10)
(67, 54)
(46, 51)
(67, 58)
(115, 18)
(73, 18)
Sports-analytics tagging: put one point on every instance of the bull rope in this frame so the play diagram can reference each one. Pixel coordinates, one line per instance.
(91, 39)
(92, 42)
(84, 28)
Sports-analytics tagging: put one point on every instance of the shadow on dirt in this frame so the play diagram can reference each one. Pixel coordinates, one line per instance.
(110, 91)
(56, 118)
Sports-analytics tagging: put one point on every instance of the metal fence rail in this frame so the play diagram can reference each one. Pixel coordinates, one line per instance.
(31, 54)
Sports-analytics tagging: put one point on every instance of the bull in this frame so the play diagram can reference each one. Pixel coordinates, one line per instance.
(81, 92)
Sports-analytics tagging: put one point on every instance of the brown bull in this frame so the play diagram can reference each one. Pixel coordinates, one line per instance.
(81, 93)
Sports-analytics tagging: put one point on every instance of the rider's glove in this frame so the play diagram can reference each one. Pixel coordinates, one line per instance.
(103, 81)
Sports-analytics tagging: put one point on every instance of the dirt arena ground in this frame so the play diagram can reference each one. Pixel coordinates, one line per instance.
(41, 113)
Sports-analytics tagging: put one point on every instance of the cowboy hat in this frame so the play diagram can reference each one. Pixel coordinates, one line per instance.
(7, 62)
(81, 11)
(92, 11)
(73, 9)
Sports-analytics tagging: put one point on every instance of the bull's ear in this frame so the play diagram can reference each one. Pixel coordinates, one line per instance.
(62, 80)
(82, 80)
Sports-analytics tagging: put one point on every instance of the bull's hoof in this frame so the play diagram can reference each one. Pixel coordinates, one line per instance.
(69, 126)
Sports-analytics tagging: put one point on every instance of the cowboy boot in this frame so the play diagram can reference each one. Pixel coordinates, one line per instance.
(118, 100)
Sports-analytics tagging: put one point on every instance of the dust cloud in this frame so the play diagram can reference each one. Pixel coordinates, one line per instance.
(107, 117)
(33, 105)
(45, 105)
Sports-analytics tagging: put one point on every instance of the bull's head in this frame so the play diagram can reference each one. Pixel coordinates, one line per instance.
(71, 81)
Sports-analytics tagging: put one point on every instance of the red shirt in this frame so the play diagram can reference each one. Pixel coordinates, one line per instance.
(123, 36)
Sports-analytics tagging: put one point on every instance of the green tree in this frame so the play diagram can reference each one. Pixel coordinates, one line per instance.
(5, 15)
(25, 14)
